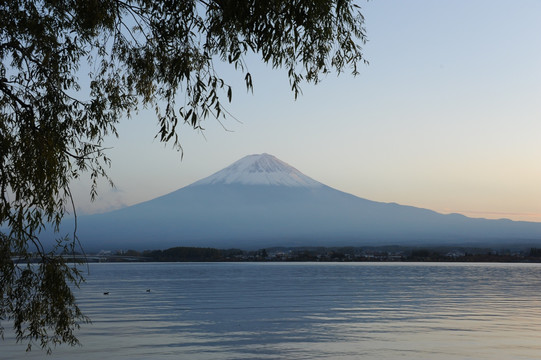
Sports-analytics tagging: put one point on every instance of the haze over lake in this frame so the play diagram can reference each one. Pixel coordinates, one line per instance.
(306, 311)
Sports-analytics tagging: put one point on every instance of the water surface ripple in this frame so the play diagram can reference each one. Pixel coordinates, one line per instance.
(306, 311)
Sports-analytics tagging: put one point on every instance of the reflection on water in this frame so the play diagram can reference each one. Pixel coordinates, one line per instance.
(306, 311)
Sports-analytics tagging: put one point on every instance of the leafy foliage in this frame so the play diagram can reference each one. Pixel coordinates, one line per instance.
(38, 298)
(70, 70)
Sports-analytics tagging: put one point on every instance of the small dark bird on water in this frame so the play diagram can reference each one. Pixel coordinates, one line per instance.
(106, 293)
(148, 290)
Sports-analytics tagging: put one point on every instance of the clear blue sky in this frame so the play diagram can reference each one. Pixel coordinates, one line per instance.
(447, 116)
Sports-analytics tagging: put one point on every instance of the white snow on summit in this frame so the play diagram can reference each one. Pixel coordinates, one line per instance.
(260, 169)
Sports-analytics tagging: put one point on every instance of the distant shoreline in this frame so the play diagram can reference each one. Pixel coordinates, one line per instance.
(318, 254)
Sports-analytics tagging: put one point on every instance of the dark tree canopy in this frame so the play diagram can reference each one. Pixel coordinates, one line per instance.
(71, 69)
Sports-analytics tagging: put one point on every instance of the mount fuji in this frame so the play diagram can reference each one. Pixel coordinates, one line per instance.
(260, 201)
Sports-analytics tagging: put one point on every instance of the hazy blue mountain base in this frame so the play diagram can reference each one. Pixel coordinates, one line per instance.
(253, 209)
(256, 216)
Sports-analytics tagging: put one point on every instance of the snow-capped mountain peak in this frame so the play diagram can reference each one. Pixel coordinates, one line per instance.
(260, 169)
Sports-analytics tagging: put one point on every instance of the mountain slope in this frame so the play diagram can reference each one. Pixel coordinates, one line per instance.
(260, 201)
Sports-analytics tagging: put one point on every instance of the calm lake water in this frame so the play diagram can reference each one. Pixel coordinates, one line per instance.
(306, 311)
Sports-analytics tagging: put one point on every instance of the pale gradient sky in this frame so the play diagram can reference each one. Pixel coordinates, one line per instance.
(447, 116)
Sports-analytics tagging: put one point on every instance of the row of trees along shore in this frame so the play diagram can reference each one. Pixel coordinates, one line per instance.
(333, 254)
